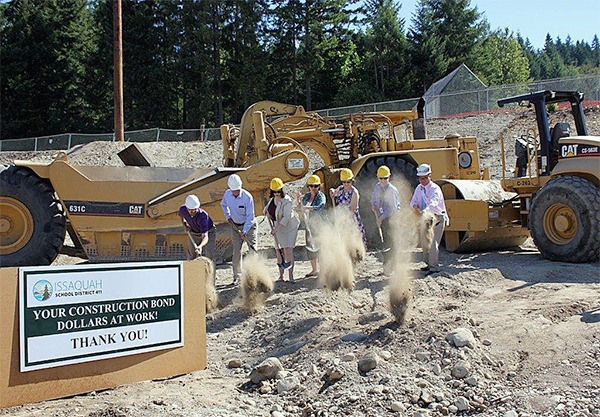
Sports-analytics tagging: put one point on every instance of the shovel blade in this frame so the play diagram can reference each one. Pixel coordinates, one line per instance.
(312, 248)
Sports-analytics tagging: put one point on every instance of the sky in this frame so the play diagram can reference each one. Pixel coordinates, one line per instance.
(533, 19)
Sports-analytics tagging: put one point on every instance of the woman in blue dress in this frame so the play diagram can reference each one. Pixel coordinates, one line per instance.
(347, 195)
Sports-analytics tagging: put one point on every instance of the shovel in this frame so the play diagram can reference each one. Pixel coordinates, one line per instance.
(383, 248)
(250, 247)
(278, 248)
(198, 251)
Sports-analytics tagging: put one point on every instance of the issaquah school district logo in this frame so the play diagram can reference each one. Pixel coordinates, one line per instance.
(42, 290)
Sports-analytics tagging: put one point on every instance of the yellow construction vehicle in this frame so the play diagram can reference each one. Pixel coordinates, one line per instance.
(557, 179)
(482, 214)
(116, 213)
(130, 213)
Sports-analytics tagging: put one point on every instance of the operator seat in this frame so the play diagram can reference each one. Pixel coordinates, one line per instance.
(560, 130)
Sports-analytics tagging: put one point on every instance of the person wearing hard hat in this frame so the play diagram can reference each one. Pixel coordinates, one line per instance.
(200, 228)
(347, 195)
(238, 207)
(284, 227)
(428, 198)
(385, 204)
(313, 208)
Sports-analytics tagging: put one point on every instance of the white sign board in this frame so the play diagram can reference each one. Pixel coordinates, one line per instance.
(81, 313)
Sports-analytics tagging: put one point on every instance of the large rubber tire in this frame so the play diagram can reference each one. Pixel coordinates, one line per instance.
(404, 177)
(565, 220)
(32, 221)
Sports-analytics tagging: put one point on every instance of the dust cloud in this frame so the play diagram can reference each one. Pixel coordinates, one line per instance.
(256, 284)
(405, 233)
(341, 248)
(210, 292)
(426, 227)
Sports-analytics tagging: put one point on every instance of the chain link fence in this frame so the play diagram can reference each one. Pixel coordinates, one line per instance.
(442, 105)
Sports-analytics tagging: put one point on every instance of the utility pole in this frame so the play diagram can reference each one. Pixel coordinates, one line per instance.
(118, 70)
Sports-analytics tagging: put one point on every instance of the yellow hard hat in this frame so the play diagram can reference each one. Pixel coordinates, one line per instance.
(383, 172)
(276, 184)
(314, 180)
(346, 174)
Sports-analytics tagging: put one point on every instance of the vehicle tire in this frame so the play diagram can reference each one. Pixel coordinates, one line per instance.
(32, 220)
(565, 220)
(404, 177)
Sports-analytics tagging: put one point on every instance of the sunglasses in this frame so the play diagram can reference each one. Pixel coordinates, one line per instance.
(384, 178)
(314, 186)
(277, 192)
(347, 182)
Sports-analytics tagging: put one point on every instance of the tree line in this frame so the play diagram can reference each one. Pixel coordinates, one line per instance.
(188, 63)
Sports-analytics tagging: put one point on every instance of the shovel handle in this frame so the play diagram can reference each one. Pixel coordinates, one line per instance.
(199, 252)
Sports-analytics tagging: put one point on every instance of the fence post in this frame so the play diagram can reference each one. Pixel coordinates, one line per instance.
(69, 144)
(35, 144)
(157, 133)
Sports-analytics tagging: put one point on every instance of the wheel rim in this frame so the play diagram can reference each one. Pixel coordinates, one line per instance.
(560, 223)
(16, 225)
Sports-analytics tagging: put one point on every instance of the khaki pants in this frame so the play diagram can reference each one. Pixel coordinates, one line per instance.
(237, 243)
(431, 253)
(389, 241)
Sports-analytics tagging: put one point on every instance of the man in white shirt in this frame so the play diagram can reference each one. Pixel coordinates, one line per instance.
(238, 207)
(429, 199)
(385, 204)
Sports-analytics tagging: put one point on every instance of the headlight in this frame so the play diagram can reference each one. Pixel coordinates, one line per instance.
(465, 159)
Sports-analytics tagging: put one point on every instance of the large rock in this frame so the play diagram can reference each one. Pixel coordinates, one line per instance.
(461, 370)
(287, 384)
(368, 362)
(266, 370)
(461, 337)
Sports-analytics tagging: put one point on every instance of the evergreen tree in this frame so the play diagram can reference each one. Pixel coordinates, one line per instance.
(194, 65)
(461, 27)
(311, 38)
(325, 48)
(149, 78)
(244, 56)
(427, 49)
(282, 38)
(551, 63)
(443, 35)
(99, 76)
(531, 55)
(194, 62)
(44, 49)
(386, 49)
(595, 57)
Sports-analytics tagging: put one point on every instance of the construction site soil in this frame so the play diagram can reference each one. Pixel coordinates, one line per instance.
(504, 333)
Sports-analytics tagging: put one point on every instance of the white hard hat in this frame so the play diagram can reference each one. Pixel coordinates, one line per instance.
(234, 182)
(192, 202)
(423, 170)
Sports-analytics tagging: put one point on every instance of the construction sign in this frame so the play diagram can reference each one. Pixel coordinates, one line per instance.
(92, 312)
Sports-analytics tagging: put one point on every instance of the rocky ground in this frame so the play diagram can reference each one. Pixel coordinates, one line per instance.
(504, 333)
